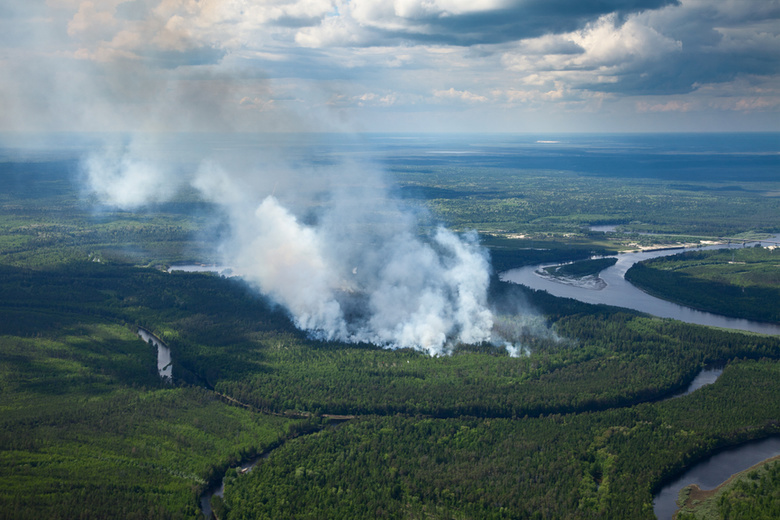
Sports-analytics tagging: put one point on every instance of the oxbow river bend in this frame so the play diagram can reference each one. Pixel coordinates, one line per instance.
(617, 291)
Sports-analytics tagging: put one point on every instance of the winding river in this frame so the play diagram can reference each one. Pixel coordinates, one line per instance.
(246, 467)
(611, 288)
(710, 473)
(616, 290)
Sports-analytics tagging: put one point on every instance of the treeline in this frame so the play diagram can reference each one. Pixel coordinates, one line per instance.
(756, 498)
(220, 316)
(222, 335)
(591, 465)
(583, 268)
(617, 360)
(741, 283)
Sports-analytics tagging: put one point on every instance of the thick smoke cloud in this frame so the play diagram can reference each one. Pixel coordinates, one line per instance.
(329, 244)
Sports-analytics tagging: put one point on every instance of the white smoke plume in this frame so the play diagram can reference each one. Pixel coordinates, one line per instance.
(121, 178)
(329, 244)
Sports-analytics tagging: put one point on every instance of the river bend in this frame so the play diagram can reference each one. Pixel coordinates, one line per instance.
(618, 292)
(712, 472)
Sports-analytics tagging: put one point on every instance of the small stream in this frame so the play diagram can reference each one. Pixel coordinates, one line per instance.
(165, 370)
(706, 377)
(164, 364)
(246, 467)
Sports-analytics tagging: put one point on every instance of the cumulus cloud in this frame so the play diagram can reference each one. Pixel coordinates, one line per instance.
(460, 95)
(673, 50)
(116, 60)
(458, 22)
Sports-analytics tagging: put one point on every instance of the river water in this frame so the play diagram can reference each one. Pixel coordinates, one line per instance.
(706, 377)
(246, 467)
(615, 290)
(164, 366)
(612, 289)
(714, 471)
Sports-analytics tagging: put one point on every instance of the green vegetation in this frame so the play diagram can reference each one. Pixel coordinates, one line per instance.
(87, 430)
(617, 359)
(592, 465)
(751, 494)
(582, 268)
(222, 335)
(517, 199)
(574, 429)
(756, 497)
(743, 283)
(44, 222)
(507, 253)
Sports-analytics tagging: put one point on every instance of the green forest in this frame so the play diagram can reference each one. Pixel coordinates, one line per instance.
(581, 427)
(582, 268)
(753, 493)
(743, 282)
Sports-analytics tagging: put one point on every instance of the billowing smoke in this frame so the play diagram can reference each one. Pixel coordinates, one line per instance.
(347, 260)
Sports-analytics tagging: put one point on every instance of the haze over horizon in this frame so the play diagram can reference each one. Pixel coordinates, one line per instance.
(406, 65)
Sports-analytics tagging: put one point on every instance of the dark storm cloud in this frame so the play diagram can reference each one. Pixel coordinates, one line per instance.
(718, 42)
(523, 19)
(684, 73)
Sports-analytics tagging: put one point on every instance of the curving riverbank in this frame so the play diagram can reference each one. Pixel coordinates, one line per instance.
(694, 498)
(705, 377)
(164, 367)
(164, 360)
(619, 292)
(248, 465)
(713, 472)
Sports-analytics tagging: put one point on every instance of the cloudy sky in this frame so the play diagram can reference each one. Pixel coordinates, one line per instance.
(390, 65)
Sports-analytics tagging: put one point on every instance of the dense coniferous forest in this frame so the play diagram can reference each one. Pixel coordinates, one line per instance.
(582, 268)
(743, 283)
(754, 497)
(579, 425)
(750, 494)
